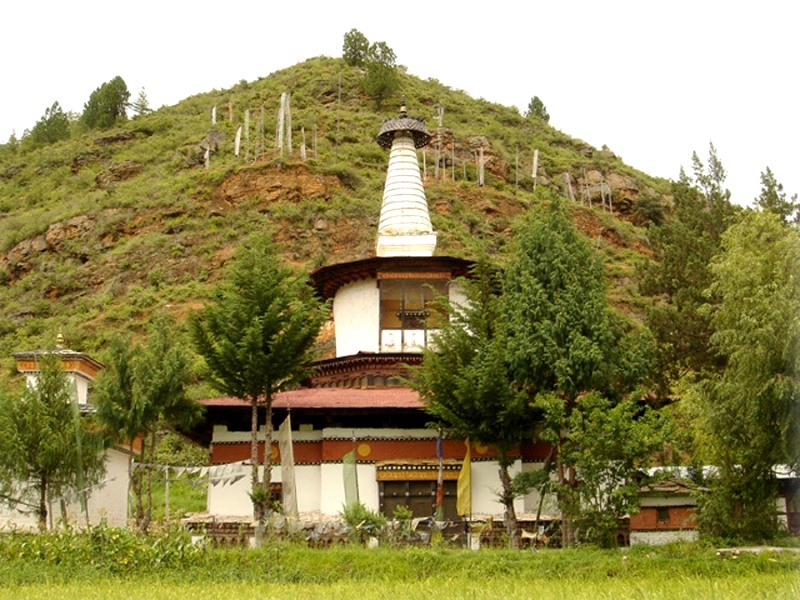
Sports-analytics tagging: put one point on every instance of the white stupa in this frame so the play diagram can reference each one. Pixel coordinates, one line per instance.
(405, 226)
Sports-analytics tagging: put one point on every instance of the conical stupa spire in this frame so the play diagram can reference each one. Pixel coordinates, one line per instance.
(405, 226)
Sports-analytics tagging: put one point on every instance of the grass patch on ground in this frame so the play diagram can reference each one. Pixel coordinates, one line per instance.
(460, 588)
(108, 562)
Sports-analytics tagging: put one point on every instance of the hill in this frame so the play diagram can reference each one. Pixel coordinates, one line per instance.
(99, 232)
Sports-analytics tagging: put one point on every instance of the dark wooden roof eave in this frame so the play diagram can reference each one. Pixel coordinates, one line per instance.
(363, 359)
(327, 280)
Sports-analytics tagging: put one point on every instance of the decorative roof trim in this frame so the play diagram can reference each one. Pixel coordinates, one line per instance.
(328, 280)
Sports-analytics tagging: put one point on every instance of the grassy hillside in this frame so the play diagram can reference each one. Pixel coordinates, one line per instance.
(99, 232)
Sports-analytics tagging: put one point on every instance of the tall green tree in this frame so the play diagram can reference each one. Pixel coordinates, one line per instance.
(106, 105)
(536, 339)
(141, 392)
(537, 109)
(381, 80)
(54, 126)
(555, 309)
(749, 417)
(678, 278)
(47, 450)
(561, 339)
(465, 386)
(355, 48)
(256, 337)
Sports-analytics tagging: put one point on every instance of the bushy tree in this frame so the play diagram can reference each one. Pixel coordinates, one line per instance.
(609, 446)
(465, 386)
(255, 337)
(540, 336)
(141, 392)
(555, 310)
(648, 209)
(537, 109)
(53, 127)
(381, 80)
(47, 450)
(561, 338)
(355, 49)
(106, 105)
(749, 417)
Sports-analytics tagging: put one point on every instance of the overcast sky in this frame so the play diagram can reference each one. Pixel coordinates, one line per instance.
(652, 80)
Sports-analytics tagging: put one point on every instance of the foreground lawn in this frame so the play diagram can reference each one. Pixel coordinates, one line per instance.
(775, 586)
(112, 563)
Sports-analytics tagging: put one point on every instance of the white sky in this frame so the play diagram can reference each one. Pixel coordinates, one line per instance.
(652, 80)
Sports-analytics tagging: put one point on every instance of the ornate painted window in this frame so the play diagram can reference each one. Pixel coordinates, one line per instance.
(407, 313)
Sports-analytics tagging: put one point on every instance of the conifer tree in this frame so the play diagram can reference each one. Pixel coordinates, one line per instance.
(677, 280)
(773, 199)
(255, 337)
(141, 105)
(381, 80)
(464, 382)
(562, 340)
(54, 126)
(516, 358)
(537, 109)
(106, 105)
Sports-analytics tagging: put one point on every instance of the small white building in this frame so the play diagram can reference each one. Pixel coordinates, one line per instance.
(108, 500)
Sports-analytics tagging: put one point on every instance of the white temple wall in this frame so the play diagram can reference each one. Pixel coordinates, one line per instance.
(309, 492)
(320, 488)
(230, 497)
(227, 493)
(456, 294)
(486, 486)
(78, 380)
(332, 488)
(108, 501)
(531, 499)
(82, 388)
(356, 315)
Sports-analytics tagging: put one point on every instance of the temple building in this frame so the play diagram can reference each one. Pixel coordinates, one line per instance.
(356, 401)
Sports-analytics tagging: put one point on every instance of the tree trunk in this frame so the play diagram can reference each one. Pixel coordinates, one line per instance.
(136, 488)
(261, 495)
(512, 527)
(566, 480)
(547, 462)
(42, 510)
(148, 460)
(254, 455)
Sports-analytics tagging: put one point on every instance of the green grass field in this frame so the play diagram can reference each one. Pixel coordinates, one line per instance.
(463, 587)
(113, 563)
